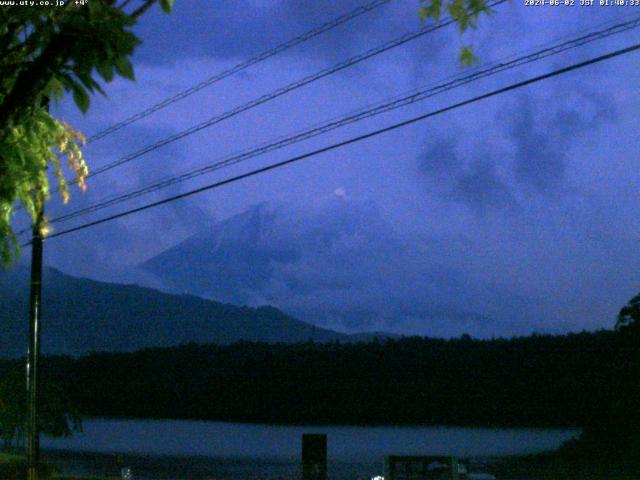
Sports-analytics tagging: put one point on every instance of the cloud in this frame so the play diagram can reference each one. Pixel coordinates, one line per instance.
(337, 263)
(484, 176)
(540, 155)
(440, 157)
(469, 178)
(243, 28)
(543, 138)
(101, 252)
(481, 188)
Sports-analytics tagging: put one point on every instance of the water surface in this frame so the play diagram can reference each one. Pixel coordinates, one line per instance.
(282, 443)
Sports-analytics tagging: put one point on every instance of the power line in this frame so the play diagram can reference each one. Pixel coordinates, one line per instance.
(241, 66)
(350, 141)
(277, 93)
(397, 102)
(281, 91)
(226, 73)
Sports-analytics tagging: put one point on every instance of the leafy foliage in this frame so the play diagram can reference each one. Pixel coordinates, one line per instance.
(629, 316)
(32, 145)
(44, 54)
(466, 13)
(57, 417)
(467, 57)
(14, 467)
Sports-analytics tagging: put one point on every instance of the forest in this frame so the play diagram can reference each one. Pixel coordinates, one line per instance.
(574, 380)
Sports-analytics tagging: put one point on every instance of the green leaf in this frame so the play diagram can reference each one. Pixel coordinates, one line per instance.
(458, 11)
(166, 5)
(105, 70)
(477, 7)
(431, 11)
(81, 97)
(124, 68)
(56, 88)
(88, 81)
(467, 58)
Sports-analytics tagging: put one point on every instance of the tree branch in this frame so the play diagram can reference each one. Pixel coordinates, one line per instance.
(124, 4)
(31, 81)
(141, 9)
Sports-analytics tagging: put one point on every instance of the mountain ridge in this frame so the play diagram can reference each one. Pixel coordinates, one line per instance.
(335, 264)
(82, 316)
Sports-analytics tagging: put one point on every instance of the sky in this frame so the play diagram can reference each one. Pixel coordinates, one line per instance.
(512, 215)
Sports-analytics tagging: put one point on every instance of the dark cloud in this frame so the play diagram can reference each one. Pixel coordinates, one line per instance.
(105, 252)
(106, 248)
(543, 137)
(540, 156)
(440, 157)
(468, 177)
(480, 187)
(240, 29)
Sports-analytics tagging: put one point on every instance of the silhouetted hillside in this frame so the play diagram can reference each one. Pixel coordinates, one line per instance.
(81, 316)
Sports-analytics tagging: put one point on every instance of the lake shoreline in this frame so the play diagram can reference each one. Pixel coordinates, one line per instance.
(225, 439)
(199, 467)
(182, 467)
(178, 449)
(236, 421)
(552, 465)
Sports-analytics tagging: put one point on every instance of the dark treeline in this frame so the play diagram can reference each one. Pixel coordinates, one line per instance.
(573, 380)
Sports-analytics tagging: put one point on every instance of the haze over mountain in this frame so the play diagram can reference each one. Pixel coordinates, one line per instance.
(339, 264)
(81, 315)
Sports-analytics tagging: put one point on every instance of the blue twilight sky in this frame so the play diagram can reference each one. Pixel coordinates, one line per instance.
(512, 215)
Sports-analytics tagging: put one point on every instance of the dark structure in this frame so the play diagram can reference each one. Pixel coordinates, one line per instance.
(420, 468)
(33, 353)
(314, 456)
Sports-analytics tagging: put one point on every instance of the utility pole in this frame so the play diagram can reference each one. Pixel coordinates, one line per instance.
(33, 354)
(33, 445)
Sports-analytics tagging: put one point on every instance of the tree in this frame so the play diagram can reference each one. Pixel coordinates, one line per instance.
(629, 316)
(45, 53)
(58, 417)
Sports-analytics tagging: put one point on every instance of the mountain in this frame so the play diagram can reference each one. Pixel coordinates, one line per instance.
(81, 315)
(340, 264)
(228, 263)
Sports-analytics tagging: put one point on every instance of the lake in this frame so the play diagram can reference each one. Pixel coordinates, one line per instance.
(199, 449)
